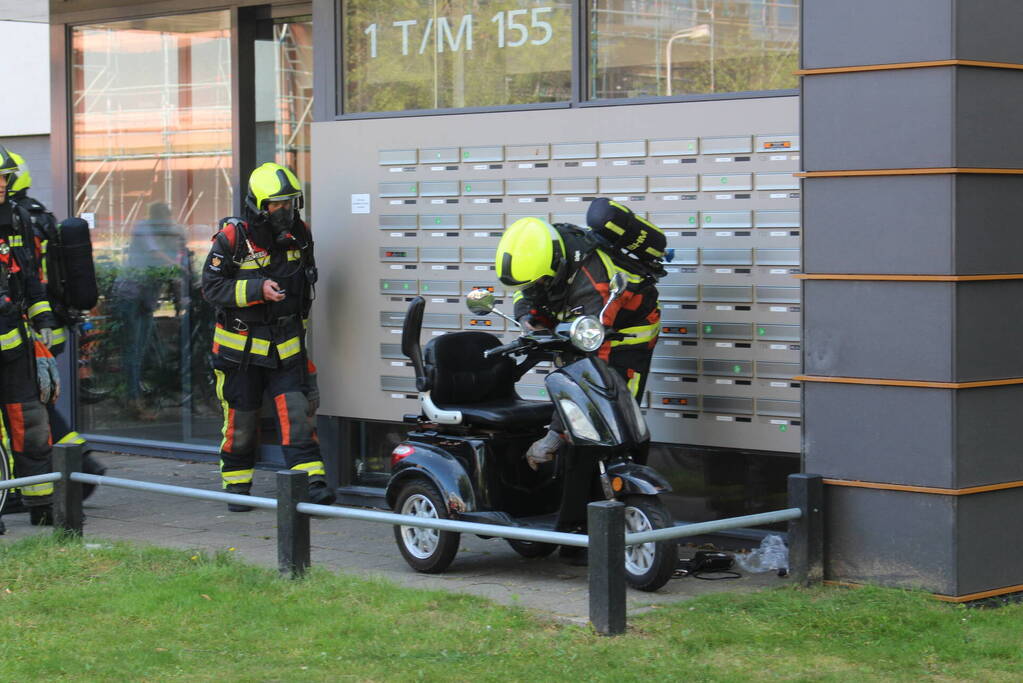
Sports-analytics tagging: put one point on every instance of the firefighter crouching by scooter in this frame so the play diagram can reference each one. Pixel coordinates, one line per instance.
(259, 275)
(25, 382)
(45, 233)
(560, 273)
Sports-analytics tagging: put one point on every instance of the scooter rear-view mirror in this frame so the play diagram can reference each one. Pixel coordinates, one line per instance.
(481, 302)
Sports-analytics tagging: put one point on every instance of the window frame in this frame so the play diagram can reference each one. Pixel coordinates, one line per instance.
(331, 15)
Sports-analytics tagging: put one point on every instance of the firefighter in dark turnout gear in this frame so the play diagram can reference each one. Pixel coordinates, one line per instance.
(260, 274)
(27, 377)
(44, 232)
(559, 274)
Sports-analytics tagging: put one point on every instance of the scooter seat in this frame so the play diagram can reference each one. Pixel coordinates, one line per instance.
(506, 414)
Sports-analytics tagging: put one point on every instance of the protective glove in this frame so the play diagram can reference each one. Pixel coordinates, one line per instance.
(46, 336)
(543, 450)
(46, 374)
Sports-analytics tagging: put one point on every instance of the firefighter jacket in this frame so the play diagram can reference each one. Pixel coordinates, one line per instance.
(44, 230)
(22, 296)
(635, 313)
(250, 330)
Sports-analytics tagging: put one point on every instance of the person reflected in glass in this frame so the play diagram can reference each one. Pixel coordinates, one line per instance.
(155, 264)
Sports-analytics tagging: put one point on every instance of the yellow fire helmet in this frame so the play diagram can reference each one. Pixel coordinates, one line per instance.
(23, 179)
(8, 165)
(530, 249)
(273, 183)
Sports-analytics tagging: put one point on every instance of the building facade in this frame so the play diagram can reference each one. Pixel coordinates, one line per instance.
(422, 129)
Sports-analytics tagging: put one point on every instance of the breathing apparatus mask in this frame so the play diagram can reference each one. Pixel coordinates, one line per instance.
(280, 221)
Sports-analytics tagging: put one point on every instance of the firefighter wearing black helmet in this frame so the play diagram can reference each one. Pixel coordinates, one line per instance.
(28, 377)
(259, 275)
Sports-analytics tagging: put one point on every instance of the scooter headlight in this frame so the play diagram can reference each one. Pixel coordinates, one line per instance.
(578, 423)
(586, 333)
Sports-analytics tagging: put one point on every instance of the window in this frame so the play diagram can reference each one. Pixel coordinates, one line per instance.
(406, 55)
(650, 48)
(152, 159)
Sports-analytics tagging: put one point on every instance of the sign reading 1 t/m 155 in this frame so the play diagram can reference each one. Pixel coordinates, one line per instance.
(509, 28)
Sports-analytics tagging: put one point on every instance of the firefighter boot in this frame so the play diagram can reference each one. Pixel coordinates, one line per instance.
(91, 465)
(40, 515)
(241, 490)
(320, 493)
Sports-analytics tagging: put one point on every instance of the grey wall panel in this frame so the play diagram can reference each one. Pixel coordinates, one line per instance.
(35, 149)
(934, 224)
(989, 116)
(880, 119)
(988, 30)
(876, 32)
(984, 564)
(898, 330)
(892, 538)
(987, 436)
(989, 233)
(860, 432)
(886, 224)
(989, 326)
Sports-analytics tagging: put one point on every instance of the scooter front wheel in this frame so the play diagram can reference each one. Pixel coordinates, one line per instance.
(426, 550)
(648, 566)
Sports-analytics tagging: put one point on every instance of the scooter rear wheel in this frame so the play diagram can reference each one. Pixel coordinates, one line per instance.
(648, 566)
(426, 550)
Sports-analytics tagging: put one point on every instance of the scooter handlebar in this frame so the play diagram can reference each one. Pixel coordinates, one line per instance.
(506, 348)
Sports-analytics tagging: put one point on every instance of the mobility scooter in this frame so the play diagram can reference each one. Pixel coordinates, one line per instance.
(465, 458)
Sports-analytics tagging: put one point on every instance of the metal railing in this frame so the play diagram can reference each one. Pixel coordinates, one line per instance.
(606, 538)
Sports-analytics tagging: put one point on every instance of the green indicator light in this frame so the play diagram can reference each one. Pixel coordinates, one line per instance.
(405, 286)
(692, 146)
(706, 219)
(783, 428)
(692, 219)
(387, 285)
(543, 392)
(437, 220)
(465, 155)
(468, 188)
(426, 288)
(411, 188)
(761, 331)
(707, 329)
(724, 181)
(438, 155)
(736, 368)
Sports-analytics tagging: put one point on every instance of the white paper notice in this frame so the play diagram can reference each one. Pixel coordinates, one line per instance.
(360, 203)
(89, 218)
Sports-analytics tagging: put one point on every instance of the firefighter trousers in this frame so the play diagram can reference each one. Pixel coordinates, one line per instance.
(25, 425)
(292, 395)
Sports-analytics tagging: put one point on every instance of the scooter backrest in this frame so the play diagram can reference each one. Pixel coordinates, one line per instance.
(459, 373)
(410, 341)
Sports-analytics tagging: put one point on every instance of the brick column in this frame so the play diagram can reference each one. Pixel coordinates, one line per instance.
(913, 289)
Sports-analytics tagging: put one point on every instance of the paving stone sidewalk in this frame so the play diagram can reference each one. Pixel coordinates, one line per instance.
(487, 568)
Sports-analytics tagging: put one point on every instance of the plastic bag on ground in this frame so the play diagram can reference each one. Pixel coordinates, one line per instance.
(772, 555)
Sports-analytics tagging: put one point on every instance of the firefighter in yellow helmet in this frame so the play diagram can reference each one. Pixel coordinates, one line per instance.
(28, 379)
(44, 234)
(259, 275)
(560, 272)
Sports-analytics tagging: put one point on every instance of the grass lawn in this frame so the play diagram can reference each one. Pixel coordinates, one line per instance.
(114, 612)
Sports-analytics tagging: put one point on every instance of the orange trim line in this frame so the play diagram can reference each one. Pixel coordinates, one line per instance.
(906, 65)
(945, 170)
(908, 382)
(944, 598)
(925, 489)
(907, 278)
